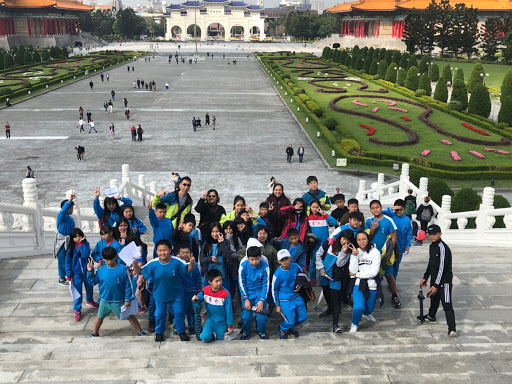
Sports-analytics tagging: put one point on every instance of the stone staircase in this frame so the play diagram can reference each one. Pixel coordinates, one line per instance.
(40, 342)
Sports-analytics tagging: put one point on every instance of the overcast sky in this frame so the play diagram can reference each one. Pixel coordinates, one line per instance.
(267, 3)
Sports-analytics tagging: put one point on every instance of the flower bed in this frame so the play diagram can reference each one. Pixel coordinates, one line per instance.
(477, 154)
(445, 142)
(356, 102)
(391, 102)
(477, 130)
(425, 153)
(405, 118)
(500, 151)
(398, 109)
(371, 130)
(375, 109)
(455, 156)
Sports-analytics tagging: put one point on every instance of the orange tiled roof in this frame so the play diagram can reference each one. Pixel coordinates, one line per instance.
(390, 5)
(59, 4)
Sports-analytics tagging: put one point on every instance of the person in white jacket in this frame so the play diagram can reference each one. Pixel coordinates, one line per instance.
(364, 268)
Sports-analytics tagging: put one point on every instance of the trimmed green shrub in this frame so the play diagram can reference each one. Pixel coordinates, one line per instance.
(8, 61)
(447, 73)
(506, 86)
(374, 67)
(475, 77)
(412, 80)
(348, 60)
(314, 107)
(297, 91)
(382, 54)
(27, 58)
(441, 92)
(500, 202)
(36, 57)
(5, 91)
(412, 62)
(459, 74)
(303, 97)
(480, 102)
(502, 125)
(403, 60)
(359, 63)
(351, 146)
(505, 114)
(391, 72)
(465, 200)
(434, 72)
(330, 123)
(425, 84)
(396, 56)
(423, 66)
(27, 85)
(383, 67)
(420, 92)
(437, 188)
(460, 93)
(455, 106)
(367, 64)
(402, 74)
(45, 55)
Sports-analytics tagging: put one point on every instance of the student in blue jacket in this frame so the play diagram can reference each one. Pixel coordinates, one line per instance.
(115, 290)
(65, 224)
(162, 226)
(110, 212)
(136, 224)
(107, 240)
(192, 286)
(293, 245)
(315, 194)
(77, 258)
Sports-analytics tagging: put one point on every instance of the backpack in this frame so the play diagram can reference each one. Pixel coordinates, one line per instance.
(410, 208)
(425, 214)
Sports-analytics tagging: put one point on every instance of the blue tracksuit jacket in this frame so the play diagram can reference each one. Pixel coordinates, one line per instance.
(98, 210)
(114, 283)
(253, 281)
(162, 229)
(65, 223)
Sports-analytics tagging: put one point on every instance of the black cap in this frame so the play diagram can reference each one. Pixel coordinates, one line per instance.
(433, 229)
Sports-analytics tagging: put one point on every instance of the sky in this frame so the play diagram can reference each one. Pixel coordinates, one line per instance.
(267, 3)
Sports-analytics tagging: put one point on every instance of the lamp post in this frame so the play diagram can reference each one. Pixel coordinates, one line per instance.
(484, 75)
(195, 25)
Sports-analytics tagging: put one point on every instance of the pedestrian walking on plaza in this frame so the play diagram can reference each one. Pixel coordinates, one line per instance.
(134, 84)
(289, 153)
(128, 68)
(102, 77)
(105, 105)
(110, 106)
(214, 120)
(81, 112)
(80, 152)
(142, 83)
(150, 86)
(108, 77)
(133, 131)
(140, 131)
(91, 125)
(81, 124)
(112, 131)
(7, 103)
(7, 130)
(194, 123)
(138, 83)
(207, 120)
(125, 101)
(425, 213)
(127, 113)
(300, 152)
(89, 116)
(91, 84)
(147, 86)
(30, 173)
(133, 69)
(113, 94)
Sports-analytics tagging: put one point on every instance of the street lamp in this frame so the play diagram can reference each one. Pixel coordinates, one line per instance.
(195, 25)
(484, 75)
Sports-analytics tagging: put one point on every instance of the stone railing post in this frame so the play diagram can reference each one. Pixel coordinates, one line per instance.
(142, 184)
(483, 221)
(380, 186)
(402, 190)
(445, 209)
(31, 199)
(126, 177)
(360, 195)
(423, 187)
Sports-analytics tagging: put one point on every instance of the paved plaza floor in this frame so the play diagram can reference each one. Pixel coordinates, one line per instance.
(254, 127)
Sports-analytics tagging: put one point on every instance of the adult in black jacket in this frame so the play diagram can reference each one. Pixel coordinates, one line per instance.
(209, 211)
(425, 213)
(276, 201)
(289, 153)
(439, 270)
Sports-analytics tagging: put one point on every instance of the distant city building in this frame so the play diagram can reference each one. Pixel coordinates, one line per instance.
(215, 19)
(41, 23)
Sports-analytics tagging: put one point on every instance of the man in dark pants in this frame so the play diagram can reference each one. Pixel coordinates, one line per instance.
(207, 119)
(439, 270)
(289, 153)
(300, 152)
(89, 116)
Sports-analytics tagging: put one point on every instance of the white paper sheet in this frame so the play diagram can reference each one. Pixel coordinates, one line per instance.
(111, 192)
(73, 292)
(234, 336)
(129, 252)
(129, 311)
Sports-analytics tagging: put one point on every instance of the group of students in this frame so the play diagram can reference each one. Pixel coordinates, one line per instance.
(260, 258)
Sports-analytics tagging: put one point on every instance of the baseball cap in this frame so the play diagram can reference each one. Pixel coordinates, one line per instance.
(433, 229)
(282, 254)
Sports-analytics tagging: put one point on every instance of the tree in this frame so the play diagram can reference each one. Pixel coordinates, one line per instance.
(507, 42)
(8, 60)
(412, 62)
(374, 67)
(480, 101)
(348, 60)
(402, 74)
(460, 93)
(444, 26)
(383, 67)
(391, 72)
(412, 80)
(419, 33)
(382, 54)
(404, 60)
(130, 24)
(506, 86)
(423, 66)
(64, 52)
(27, 58)
(474, 77)
(464, 34)
(324, 24)
(447, 73)
(55, 52)
(46, 55)
(388, 56)
(505, 114)
(466, 199)
(434, 72)
(298, 24)
(491, 37)
(367, 64)
(459, 74)
(396, 56)
(441, 92)
(355, 54)
(36, 57)
(359, 62)
(425, 84)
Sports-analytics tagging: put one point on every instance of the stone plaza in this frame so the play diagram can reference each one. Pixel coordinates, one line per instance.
(40, 342)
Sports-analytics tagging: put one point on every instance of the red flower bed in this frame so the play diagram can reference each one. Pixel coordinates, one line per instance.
(477, 130)
(371, 130)
(455, 156)
(405, 118)
(501, 152)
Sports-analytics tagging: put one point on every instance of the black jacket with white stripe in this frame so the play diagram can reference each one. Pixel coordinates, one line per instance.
(439, 267)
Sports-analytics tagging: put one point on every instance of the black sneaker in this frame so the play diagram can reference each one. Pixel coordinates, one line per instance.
(184, 337)
(426, 319)
(151, 326)
(159, 337)
(325, 314)
(396, 302)
(293, 332)
(192, 331)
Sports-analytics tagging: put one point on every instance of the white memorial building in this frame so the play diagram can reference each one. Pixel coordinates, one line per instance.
(221, 20)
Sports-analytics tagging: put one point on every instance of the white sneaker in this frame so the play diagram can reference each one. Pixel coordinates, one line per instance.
(369, 318)
(353, 328)
(453, 334)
